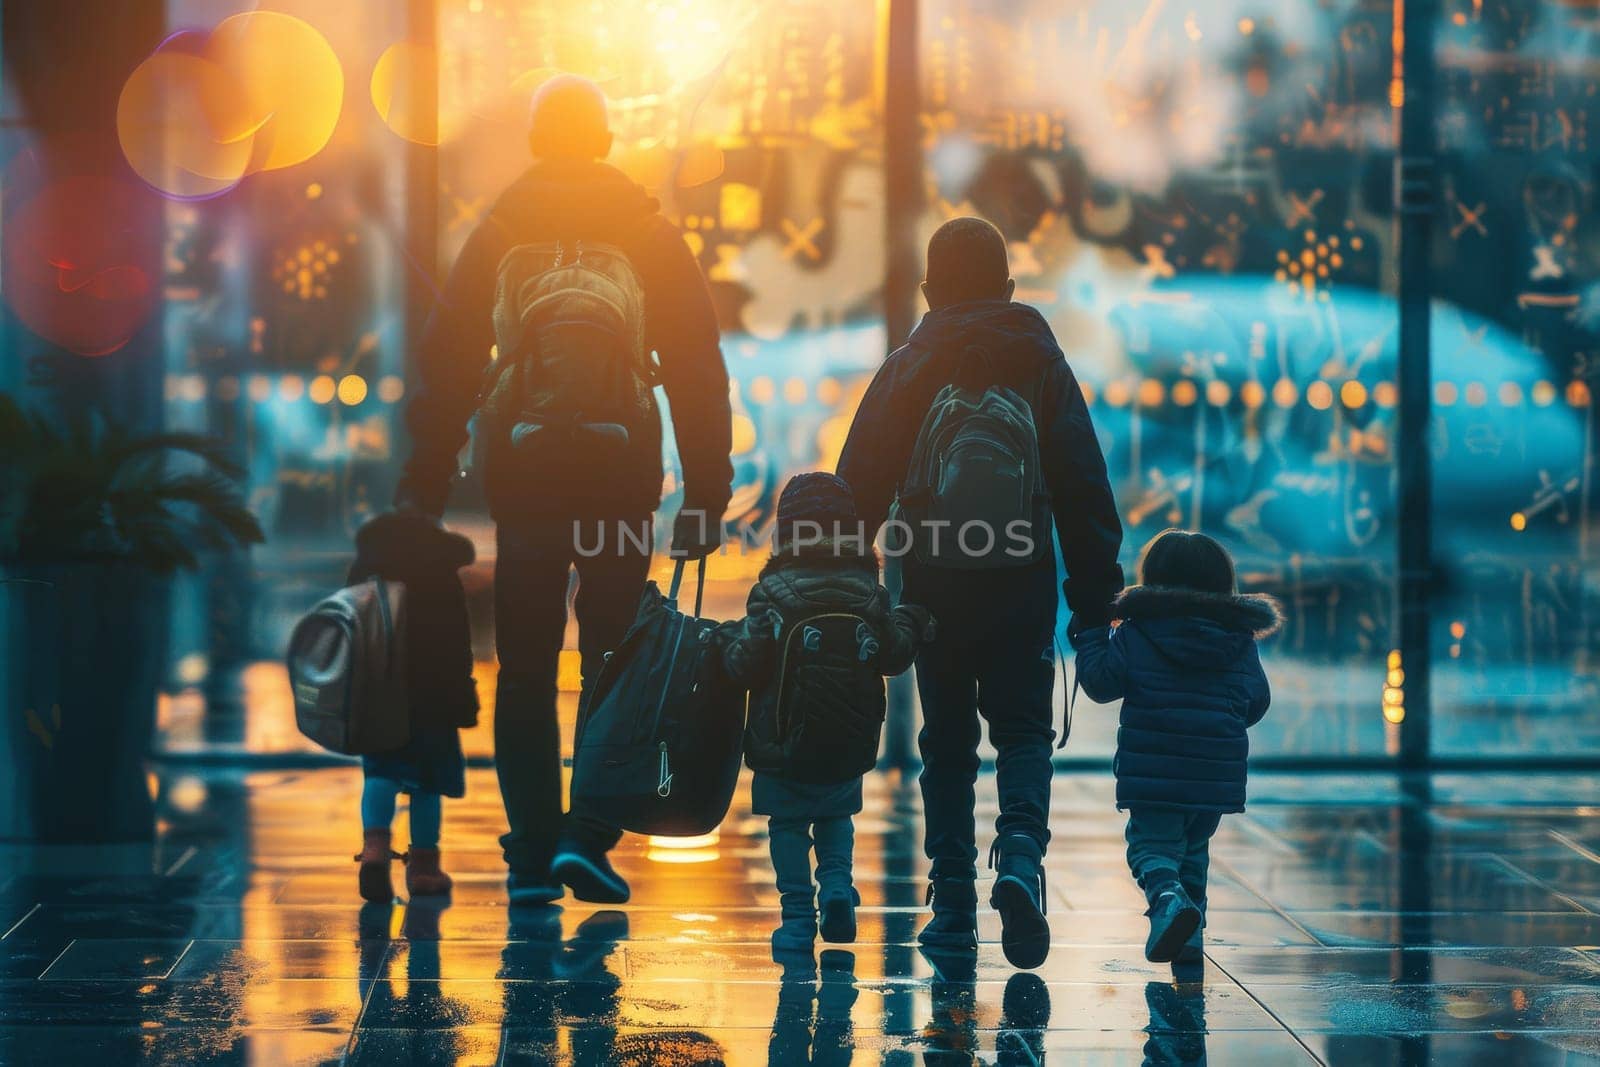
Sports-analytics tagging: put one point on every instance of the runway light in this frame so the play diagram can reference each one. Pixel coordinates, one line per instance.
(1285, 393)
(1385, 394)
(1578, 394)
(1394, 660)
(1519, 521)
(1445, 394)
(1477, 395)
(1184, 393)
(1544, 394)
(1217, 393)
(1253, 394)
(322, 389)
(1352, 394)
(291, 387)
(1458, 629)
(391, 388)
(1118, 393)
(1394, 713)
(1510, 394)
(1151, 393)
(1319, 394)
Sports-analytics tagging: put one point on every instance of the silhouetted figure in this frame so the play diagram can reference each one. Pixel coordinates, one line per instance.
(818, 636)
(994, 654)
(1183, 661)
(570, 435)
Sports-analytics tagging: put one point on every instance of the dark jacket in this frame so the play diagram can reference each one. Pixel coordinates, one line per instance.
(1185, 665)
(406, 547)
(1023, 355)
(573, 200)
(794, 586)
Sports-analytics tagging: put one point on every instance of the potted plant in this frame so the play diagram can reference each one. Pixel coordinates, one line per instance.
(92, 522)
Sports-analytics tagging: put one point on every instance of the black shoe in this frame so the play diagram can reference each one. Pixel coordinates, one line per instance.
(1018, 896)
(838, 917)
(954, 926)
(589, 875)
(525, 889)
(1173, 920)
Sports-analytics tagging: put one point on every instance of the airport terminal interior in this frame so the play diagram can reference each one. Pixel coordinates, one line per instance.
(1327, 271)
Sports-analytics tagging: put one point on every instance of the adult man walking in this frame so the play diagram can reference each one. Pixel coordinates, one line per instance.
(577, 277)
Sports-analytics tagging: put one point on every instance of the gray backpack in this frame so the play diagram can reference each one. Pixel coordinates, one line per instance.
(347, 670)
(572, 381)
(973, 496)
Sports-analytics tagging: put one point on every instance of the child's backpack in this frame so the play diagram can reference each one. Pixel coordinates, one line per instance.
(830, 699)
(973, 495)
(572, 380)
(658, 746)
(347, 670)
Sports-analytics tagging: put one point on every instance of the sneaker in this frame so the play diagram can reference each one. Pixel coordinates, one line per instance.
(954, 926)
(1173, 920)
(838, 922)
(524, 890)
(1018, 896)
(589, 875)
(797, 934)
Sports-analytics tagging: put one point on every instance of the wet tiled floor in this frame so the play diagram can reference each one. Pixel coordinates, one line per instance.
(1353, 920)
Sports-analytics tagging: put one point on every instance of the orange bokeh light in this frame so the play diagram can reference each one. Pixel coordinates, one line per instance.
(262, 91)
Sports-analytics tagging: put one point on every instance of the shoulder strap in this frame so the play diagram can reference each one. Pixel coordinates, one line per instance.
(699, 588)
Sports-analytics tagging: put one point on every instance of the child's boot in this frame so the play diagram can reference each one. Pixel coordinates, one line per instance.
(376, 852)
(1173, 920)
(1018, 896)
(424, 878)
(954, 926)
(836, 896)
(790, 842)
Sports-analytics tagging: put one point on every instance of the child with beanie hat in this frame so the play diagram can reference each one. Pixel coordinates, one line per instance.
(818, 637)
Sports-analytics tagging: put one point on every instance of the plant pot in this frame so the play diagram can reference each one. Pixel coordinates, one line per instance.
(79, 668)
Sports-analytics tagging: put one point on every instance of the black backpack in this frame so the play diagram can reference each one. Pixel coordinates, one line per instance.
(973, 495)
(831, 702)
(659, 744)
(572, 378)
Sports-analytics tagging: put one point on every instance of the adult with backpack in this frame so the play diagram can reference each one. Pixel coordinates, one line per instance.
(971, 439)
(544, 333)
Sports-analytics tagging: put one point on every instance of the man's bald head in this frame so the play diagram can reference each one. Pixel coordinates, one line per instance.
(568, 120)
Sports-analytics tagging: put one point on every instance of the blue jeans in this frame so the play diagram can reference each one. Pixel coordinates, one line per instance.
(1166, 844)
(791, 841)
(377, 811)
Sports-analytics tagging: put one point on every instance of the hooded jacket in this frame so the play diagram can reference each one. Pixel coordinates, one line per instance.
(585, 201)
(809, 580)
(1185, 666)
(408, 548)
(1021, 353)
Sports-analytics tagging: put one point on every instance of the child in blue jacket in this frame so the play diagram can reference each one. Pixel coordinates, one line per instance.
(1183, 660)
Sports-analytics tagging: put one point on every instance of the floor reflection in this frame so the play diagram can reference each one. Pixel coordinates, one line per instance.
(1353, 920)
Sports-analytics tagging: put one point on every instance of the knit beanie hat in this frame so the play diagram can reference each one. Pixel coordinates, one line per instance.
(819, 498)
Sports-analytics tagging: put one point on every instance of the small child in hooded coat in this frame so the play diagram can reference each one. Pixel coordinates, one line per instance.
(821, 564)
(1183, 661)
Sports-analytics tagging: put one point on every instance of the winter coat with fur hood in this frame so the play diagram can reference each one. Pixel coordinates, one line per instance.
(1185, 666)
(797, 584)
